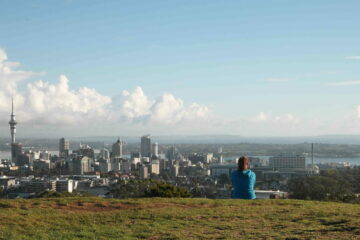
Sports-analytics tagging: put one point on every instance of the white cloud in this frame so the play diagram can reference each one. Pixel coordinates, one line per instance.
(358, 111)
(266, 123)
(166, 109)
(54, 108)
(261, 117)
(3, 56)
(51, 103)
(10, 77)
(279, 80)
(352, 57)
(135, 104)
(346, 83)
(287, 118)
(43, 103)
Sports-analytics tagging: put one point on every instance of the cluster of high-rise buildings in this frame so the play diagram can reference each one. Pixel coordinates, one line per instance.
(79, 168)
(84, 160)
(82, 167)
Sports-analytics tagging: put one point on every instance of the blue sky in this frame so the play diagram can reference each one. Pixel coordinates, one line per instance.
(238, 58)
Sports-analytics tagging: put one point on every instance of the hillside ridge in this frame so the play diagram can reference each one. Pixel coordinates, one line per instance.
(176, 218)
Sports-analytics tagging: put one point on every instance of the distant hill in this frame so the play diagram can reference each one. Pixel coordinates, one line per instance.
(201, 139)
(96, 218)
(231, 139)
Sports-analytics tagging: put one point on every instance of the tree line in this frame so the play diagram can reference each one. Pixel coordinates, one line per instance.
(330, 185)
(147, 188)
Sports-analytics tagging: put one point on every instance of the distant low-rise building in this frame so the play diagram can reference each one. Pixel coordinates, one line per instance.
(287, 161)
(37, 186)
(218, 169)
(201, 157)
(7, 182)
(268, 194)
(65, 185)
(41, 165)
(332, 165)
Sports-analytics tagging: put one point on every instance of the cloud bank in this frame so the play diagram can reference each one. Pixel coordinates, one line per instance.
(56, 104)
(166, 109)
(346, 83)
(352, 57)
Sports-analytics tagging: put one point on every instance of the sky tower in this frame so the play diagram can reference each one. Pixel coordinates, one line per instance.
(12, 123)
(16, 148)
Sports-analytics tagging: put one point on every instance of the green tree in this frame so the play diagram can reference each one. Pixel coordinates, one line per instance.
(331, 185)
(147, 188)
(224, 179)
(162, 189)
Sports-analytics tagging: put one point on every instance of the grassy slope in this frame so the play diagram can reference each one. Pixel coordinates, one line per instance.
(95, 218)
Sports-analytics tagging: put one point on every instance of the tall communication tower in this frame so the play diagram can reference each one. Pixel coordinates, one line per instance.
(12, 123)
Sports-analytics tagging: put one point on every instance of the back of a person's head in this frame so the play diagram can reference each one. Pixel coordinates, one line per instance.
(243, 163)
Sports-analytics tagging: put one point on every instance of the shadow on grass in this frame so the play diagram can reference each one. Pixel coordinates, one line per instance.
(5, 205)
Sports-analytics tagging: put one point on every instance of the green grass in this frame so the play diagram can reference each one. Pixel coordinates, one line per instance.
(156, 218)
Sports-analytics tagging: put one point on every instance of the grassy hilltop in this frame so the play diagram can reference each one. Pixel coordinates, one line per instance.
(156, 218)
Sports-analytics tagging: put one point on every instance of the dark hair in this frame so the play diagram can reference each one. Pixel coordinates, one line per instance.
(243, 163)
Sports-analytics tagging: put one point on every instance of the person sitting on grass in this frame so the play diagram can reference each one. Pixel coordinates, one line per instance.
(243, 180)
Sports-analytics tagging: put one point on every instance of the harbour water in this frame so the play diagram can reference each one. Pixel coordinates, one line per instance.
(5, 155)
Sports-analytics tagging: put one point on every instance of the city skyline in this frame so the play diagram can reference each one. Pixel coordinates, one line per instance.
(248, 69)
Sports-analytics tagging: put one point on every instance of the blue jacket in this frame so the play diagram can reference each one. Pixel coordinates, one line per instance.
(243, 184)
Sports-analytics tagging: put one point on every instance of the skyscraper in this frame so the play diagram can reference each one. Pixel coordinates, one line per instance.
(143, 172)
(63, 147)
(117, 149)
(145, 146)
(105, 154)
(156, 149)
(16, 152)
